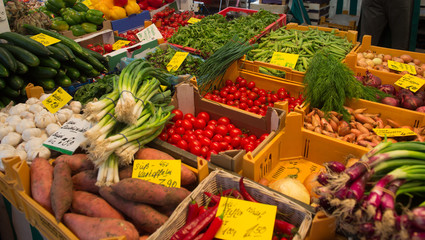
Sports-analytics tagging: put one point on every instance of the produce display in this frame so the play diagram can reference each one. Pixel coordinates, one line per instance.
(116, 9)
(99, 88)
(19, 12)
(213, 31)
(304, 43)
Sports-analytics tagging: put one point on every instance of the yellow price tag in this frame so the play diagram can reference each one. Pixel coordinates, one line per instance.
(163, 172)
(298, 169)
(44, 39)
(394, 132)
(284, 59)
(401, 67)
(119, 44)
(245, 220)
(57, 100)
(176, 61)
(193, 20)
(87, 3)
(410, 82)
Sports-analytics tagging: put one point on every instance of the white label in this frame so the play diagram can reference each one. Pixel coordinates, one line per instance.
(148, 34)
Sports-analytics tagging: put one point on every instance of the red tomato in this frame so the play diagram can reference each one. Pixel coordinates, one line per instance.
(239, 79)
(217, 138)
(194, 143)
(230, 126)
(178, 123)
(175, 138)
(243, 83)
(182, 144)
(249, 147)
(252, 137)
(237, 95)
(205, 151)
(223, 121)
(255, 89)
(210, 127)
(186, 124)
(223, 93)
(205, 141)
(189, 138)
(224, 145)
(236, 141)
(244, 141)
(251, 85)
(178, 114)
(163, 136)
(243, 106)
(235, 132)
(227, 139)
(188, 116)
(212, 122)
(215, 146)
(254, 109)
(90, 45)
(230, 97)
(222, 130)
(196, 150)
(171, 131)
(229, 82)
(208, 133)
(199, 123)
(204, 115)
(263, 136)
(180, 130)
(252, 96)
(233, 89)
(198, 132)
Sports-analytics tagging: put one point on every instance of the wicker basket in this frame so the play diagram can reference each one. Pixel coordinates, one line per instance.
(218, 180)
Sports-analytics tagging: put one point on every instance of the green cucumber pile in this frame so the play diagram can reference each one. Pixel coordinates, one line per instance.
(24, 60)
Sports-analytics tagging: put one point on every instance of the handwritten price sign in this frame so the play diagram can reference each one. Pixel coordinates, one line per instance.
(44, 39)
(163, 172)
(410, 82)
(393, 132)
(193, 20)
(284, 59)
(298, 169)
(245, 219)
(176, 61)
(57, 100)
(119, 44)
(148, 34)
(401, 67)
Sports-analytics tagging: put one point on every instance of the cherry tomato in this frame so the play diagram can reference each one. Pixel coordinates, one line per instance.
(217, 138)
(108, 48)
(242, 83)
(171, 131)
(205, 141)
(199, 123)
(236, 141)
(186, 124)
(263, 136)
(230, 126)
(211, 128)
(223, 121)
(163, 136)
(204, 115)
(244, 141)
(222, 130)
(224, 145)
(198, 132)
(235, 132)
(212, 122)
(188, 116)
(175, 138)
(208, 133)
(196, 150)
(215, 146)
(180, 130)
(178, 114)
(229, 82)
(227, 139)
(183, 144)
(90, 45)
(251, 85)
(205, 151)
(249, 147)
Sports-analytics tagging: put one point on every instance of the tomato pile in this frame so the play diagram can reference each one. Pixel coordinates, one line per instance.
(246, 96)
(202, 136)
(170, 21)
(100, 48)
(130, 35)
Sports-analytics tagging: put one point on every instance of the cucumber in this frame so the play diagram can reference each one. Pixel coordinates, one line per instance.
(2, 83)
(42, 72)
(83, 79)
(93, 73)
(22, 68)
(23, 55)
(15, 82)
(26, 43)
(61, 73)
(8, 60)
(72, 73)
(23, 91)
(92, 60)
(47, 84)
(4, 100)
(82, 65)
(98, 56)
(10, 93)
(50, 62)
(58, 53)
(67, 51)
(63, 81)
(3, 71)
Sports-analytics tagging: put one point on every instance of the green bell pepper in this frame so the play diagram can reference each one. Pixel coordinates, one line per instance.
(59, 25)
(80, 7)
(77, 30)
(56, 3)
(51, 7)
(70, 3)
(72, 17)
(83, 16)
(89, 27)
(94, 16)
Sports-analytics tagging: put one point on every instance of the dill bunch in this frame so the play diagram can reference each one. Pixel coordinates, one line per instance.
(329, 83)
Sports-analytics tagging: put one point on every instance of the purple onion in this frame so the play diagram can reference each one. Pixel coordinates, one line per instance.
(419, 217)
(322, 178)
(421, 109)
(402, 222)
(418, 236)
(387, 88)
(411, 102)
(367, 229)
(342, 193)
(359, 78)
(403, 92)
(371, 80)
(391, 101)
(420, 94)
(335, 167)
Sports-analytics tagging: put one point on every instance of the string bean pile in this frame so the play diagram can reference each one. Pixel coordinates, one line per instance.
(304, 43)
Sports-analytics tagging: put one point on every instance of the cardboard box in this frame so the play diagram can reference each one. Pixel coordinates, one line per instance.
(106, 25)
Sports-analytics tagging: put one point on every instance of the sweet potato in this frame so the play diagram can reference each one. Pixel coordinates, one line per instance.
(126, 172)
(144, 217)
(86, 181)
(92, 228)
(93, 206)
(77, 162)
(166, 210)
(61, 191)
(41, 182)
(187, 176)
(138, 190)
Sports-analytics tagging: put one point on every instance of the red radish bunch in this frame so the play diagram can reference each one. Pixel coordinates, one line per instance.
(246, 96)
(202, 136)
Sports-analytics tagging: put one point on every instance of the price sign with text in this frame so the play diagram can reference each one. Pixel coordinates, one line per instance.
(245, 220)
(193, 20)
(87, 3)
(176, 61)
(284, 59)
(149, 33)
(119, 44)
(69, 137)
(298, 169)
(410, 82)
(393, 132)
(401, 67)
(163, 172)
(44, 39)
(57, 100)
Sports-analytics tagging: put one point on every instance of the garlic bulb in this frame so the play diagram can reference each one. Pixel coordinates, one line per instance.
(44, 118)
(29, 133)
(42, 152)
(27, 115)
(44, 96)
(33, 143)
(44, 136)
(35, 108)
(22, 154)
(3, 117)
(32, 101)
(5, 130)
(52, 128)
(6, 147)
(77, 115)
(21, 146)
(63, 115)
(12, 138)
(7, 153)
(18, 108)
(75, 106)
(24, 124)
(13, 120)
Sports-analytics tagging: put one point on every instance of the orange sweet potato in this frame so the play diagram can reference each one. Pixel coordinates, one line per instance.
(126, 172)
(187, 176)
(138, 190)
(92, 205)
(77, 162)
(143, 216)
(61, 191)
(41, 182)
(92, 228)
(86, 181)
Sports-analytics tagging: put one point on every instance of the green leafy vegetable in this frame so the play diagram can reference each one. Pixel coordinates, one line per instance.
(88, 92)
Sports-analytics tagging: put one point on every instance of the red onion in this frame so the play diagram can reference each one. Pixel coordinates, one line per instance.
(420, 94)
(411, 102)
(404, 92)
(359, 78)
(387, 88)
(371, 80)
(421, 109)
(419, 217)
(391, 101)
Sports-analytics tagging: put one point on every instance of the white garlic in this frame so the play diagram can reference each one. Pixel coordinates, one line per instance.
(27, 115)
(44, 96)
(29, 133)
(42, 152)
(18, 108)
(13, 120)
(33, 143)
(35, 108)
(22, 154)
(6, 129)
(32, 101)
(12, 138)
(44, 118)
(52, 128)
(75, 106)
(24, 124)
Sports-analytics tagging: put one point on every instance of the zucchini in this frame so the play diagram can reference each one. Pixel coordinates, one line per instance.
(72, 72)
(42, 72)
(83, 79)
(58, 53)
(3, 71)
(2, 83)
(50, 62)
(63, 81)
(95, 63)
(67, 51)
(22, 68)
(93, 73)
(8, 60)
(61, 73)
(98, 56)
(23, 55)
(15, 82)
(47, 84)
(82, 65)
(23, 91)
(10, 93)
(26, 43)
(5, 100)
